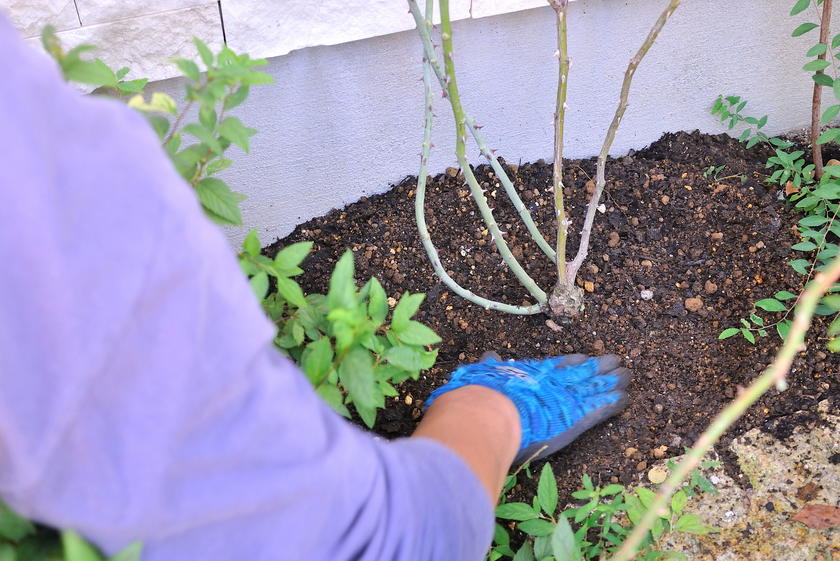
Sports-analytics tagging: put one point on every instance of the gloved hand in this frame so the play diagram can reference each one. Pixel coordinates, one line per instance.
(557, 398)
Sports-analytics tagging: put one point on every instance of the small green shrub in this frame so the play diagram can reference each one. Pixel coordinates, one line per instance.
(224, 85)
(342, 340)
(814, 190)
(594, 529)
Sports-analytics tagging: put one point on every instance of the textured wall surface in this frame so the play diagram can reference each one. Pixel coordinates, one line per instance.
(344, 121)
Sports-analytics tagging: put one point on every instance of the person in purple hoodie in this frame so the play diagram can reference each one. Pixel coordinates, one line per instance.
(141, 397)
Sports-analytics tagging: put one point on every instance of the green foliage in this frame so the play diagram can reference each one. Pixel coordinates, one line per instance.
(196, 149)
(819, 200)
(594, 529)
(341, 340)
(21, 540)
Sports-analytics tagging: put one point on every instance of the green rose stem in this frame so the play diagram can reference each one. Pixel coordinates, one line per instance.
(816, 101)
(420, 197)
(475, 130)
(774, 375)
(460, 152)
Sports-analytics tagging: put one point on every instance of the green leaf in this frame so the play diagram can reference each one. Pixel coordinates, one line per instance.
(130, 553)
(832, 301)
(204, 52)
(332, 395)
(259, 284)
(216, 197)
(516, 511)
(829, 113)
(800, 266)
(536, 527)
(678, 501)
(646, 496)
(813, 220)
(205, 135)
(833, 346)
(817, 50)
(92, 72)
(13, 526)
(188, 68)
(827, 191)
(757, 320)
(834, 328)
(612, 489)
(800, 6)
(316, 359)
(782, 328)
(132, 86)
(822, 79)
(748, 335)
(342, 284)
(803, 29)
(525, 553)
(784, 295)
(77, 549)
(691, 524)
(293, 255)
(159, 123)
(829, 135)
(771, 305)
(236, 98)
(727, 333)
(804, 246)
(356, 375)
(547, 490)
(563, 543)
(233, 129)
(377, 302)
(405, 358)
(415, 333)
(405, 310)
(251, 245)
(217, 165)
(291, 291)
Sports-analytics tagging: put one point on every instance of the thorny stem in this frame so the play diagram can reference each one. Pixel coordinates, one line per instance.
(460, 153)
(560, 9)
(419, 211)
(816, 100)
(775, 374)
(507, 184)
(600, 181)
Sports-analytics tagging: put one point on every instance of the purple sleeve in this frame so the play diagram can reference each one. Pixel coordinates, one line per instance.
(140, 395)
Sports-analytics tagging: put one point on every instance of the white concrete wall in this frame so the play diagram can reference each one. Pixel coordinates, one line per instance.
(343, 121)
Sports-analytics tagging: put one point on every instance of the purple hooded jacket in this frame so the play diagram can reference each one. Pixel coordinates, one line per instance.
(140, 395)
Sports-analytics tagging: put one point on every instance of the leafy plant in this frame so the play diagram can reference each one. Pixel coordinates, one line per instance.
(224, 84)
(594, 529)
(714, 173)
(566, 298)
(21, 540)
(813, 188)
(343, 340)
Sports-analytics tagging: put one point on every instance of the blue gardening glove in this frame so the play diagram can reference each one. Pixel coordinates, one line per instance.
(557, 398)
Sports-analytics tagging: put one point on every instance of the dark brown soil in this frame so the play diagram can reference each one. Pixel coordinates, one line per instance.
(679, 235)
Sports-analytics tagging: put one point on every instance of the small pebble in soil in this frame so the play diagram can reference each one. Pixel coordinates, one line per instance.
(659, 452)
(717, 236)
(629, 452)
(693, 304)
(646, 294)
(657, 474)
(666, 199)
(710, 287)
(646, 263)
(598, 346)
(659, 408)
(614, 239)
(641, 466)
(408, 399)
(589, 286)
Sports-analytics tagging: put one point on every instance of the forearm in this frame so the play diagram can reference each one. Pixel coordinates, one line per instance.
(481, 426)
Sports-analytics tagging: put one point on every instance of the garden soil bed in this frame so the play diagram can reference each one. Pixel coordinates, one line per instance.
(666, 229)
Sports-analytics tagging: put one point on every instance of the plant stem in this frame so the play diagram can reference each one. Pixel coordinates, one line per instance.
(560, 9)
(419, 211)
(460, 153)
(177, 122)
(775, 374)
(507, 184)
(600, 180)
(816, 100)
